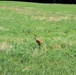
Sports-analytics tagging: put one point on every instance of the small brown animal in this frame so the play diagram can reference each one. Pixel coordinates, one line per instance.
(39, 42)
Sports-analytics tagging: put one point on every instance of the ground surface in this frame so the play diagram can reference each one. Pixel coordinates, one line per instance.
(55, 25)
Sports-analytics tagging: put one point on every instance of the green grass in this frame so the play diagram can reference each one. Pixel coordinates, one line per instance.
(55, 25)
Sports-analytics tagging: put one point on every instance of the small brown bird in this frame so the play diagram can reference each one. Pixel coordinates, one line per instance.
(39, 42)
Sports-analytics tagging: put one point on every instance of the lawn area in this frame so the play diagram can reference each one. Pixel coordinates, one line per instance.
(54, 24)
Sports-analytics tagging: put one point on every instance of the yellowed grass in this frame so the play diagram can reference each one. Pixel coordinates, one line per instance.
(56, 47)
(15, 8)
(38, 18)
(58, 18)
(52, 18)
(25, 11)
(27, 68)
(3, 28)
(5, 46)
(41, 16)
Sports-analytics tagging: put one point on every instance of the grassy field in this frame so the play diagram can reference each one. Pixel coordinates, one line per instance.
(55, 25)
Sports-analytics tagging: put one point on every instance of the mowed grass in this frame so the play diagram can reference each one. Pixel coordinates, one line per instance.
(55, 25)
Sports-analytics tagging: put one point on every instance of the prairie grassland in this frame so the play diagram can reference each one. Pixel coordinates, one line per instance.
(55, 25)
